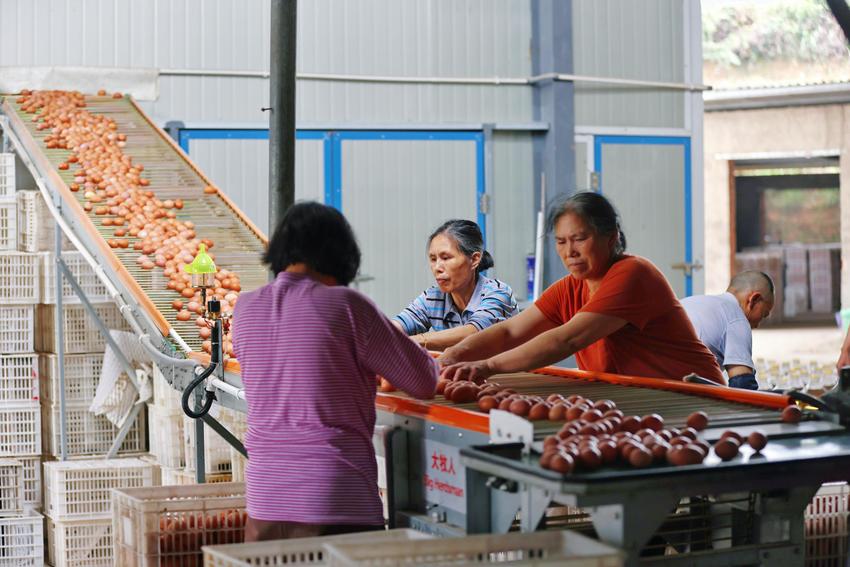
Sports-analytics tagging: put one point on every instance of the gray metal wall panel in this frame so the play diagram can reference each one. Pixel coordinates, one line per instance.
(646, 184)
(241, 169)
(629, 40)
(512, 190)
(395, 193)
(382, 37)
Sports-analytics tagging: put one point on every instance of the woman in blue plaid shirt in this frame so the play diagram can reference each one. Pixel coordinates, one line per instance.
(463, 301)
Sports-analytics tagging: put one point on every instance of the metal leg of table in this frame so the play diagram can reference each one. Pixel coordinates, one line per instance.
(630, 524)
(780, 520)
(534, 503)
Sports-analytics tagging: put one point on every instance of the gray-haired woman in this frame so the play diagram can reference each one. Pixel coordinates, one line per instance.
(463, 301)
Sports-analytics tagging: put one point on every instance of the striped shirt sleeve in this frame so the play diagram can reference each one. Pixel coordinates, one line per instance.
(414, 318)
(497, 305)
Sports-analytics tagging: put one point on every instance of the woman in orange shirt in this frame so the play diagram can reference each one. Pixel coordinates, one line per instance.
(616, 312)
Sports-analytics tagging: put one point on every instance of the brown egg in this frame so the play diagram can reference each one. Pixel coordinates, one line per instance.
(653, 421)
(613, 413)
(546, 457)
(520, 407)
(184, 316)
(726, 449)
(558, 412)
(630, 424)
(505, 404)
(590, 429)
(591, 415)
(486, 403)
(187, 292)
(562, 462)
(177, 304)
(554, 398)
(441, 384)
(757, 440)
(574, 412)
(549, 442)
(659, 451)
(209, 190)
(640, 457)
(465, 393)
(574, 399)
(698, 420)
(589, 458)
(609, 452)
(792, 414)
(539, 411)
(688, 455)
(734, 435)
(689, 432)
(605, 405)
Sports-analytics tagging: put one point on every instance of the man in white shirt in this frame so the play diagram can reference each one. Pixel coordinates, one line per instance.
(725, 322)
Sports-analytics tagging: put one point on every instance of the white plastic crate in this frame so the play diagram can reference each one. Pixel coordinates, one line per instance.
(7, 175)
(36, 227)
(300, 551)
(166, 525)
(20, 429)
(165, 431)
(81, 543)
(87, 433)
(562, 547)
(216, 449)
(8, 224)
(82, 373)
(81, 489)
(81, 332)
(182, 477)
(11, 487)
(22, 540)
(19, 273)
(91, 285)
(164, 395)
(31, 471)
(826, 520)
(18, 378)
(17, 328)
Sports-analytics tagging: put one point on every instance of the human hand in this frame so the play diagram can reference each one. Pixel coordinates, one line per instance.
(475, 371)
(843, 360)
(448, 357)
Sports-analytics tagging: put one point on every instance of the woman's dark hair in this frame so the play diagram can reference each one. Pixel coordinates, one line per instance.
(467, 236)
(596, 210)
(318, 236)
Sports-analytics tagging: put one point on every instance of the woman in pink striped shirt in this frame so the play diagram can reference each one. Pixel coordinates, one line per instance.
(309, 349)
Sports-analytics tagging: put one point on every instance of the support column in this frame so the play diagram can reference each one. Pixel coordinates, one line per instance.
(554, 152)
(282, 102)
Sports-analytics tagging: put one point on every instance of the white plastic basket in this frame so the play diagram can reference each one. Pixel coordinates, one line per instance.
(17, 328)
(168, 525)
(31, 471)
(81, 543)
(81, 332)
(91, 285)
(19, 273)
(7, 175)
(82, 373)
(826, 520)
(562, 547)
(88, 434)
(164, 395)
(300, 551)
(11, 488)
(20, 429)
(8, 224)
(165, 430)
(216, 449)
(36, 227)
(18, 378)
(182, 477)
(22, 540)
(82, 489)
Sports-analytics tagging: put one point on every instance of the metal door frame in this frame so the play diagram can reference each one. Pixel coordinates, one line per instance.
(403, 135)
(186, 135)
(685, 143)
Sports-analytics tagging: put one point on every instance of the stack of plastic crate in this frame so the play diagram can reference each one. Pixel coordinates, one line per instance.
(36, 229)
(86, 434)
(78, 505)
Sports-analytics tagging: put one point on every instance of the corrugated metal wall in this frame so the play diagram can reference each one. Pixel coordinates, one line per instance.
(512, 210)
(381, 37)
(242, 168)
(629, 40)
(395, 193)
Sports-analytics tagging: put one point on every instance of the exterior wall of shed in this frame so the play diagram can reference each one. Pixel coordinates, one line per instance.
(779, 131)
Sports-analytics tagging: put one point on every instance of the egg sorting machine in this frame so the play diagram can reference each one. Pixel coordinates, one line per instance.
(451, 468)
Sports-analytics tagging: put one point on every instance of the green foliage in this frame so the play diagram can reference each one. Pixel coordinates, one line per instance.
(745, 33)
